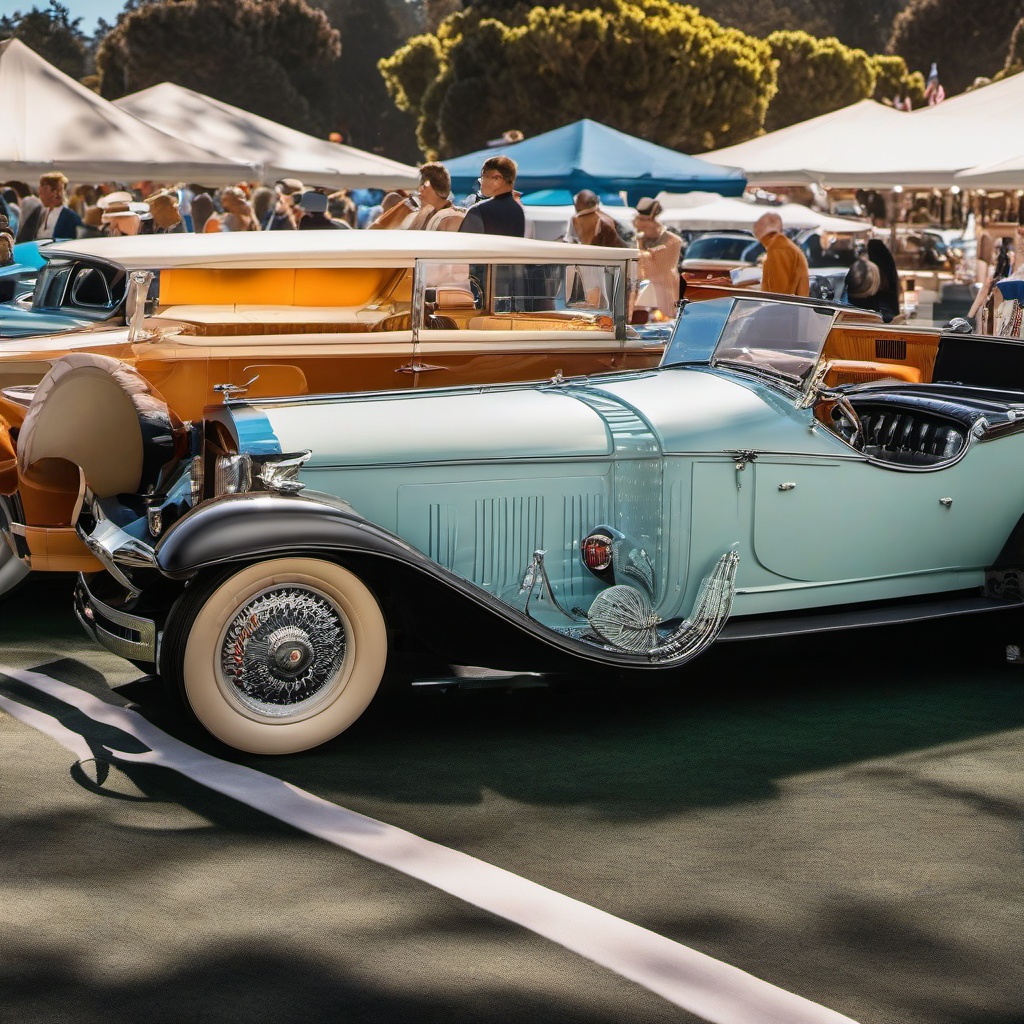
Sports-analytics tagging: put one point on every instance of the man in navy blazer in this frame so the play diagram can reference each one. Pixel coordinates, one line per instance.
(52, 218)
(499, 213)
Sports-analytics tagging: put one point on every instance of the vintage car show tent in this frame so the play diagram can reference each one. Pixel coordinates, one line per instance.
(49, 122)
(587, 154)
(870, 145)
(273, 149)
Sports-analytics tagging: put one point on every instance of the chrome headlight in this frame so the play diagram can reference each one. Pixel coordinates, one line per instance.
(232, 474)
(237, 474)
(196, 479)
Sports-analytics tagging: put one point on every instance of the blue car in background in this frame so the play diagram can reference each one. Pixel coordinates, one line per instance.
(34, 299)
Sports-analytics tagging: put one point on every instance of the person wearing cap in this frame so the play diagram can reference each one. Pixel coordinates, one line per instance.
(52, 218)
(313, 206)
(436, 212)
(659, 257)
(499, 212)
(166, 218)
(122, 217)
(591, 225)
(785, 266)
(284, 215)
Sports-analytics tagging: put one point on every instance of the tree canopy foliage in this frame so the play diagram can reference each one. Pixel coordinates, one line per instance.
(656, 69)
(864, 25)
(965, 40)
(1014, 64)
(284, 48)
(892, 80)
(52, 34)
(354, 98)
(816, 76)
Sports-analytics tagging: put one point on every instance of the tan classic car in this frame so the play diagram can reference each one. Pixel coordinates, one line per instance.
(202, 317)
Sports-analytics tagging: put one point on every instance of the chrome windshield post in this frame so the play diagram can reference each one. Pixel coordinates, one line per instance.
(135, 303)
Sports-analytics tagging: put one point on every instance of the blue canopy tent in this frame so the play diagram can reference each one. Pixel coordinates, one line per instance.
(587, 154)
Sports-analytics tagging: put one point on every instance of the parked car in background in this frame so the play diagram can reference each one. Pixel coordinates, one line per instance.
(268, 560)
(716, 253)
(203, 317)
(17, 280)
(932, 248)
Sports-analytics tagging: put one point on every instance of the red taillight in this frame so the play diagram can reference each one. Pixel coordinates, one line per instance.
(596, 551)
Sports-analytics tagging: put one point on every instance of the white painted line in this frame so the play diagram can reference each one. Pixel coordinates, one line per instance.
(707, 987)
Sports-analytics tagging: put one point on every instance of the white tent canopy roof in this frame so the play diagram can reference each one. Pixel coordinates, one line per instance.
(722, 214)
(1002, 174)
(869, 145)
(273, 149)
(49, 122)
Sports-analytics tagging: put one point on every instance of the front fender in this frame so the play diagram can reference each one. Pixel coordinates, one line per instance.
(262, 524)
(449, 611)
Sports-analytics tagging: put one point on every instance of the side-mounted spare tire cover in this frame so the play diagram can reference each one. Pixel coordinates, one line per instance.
(105, 417)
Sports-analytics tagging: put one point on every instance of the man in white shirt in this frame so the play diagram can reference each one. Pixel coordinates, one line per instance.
(53, 218)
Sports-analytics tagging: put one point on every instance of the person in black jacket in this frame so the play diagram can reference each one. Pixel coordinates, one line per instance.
(873, 283)
(500, 212)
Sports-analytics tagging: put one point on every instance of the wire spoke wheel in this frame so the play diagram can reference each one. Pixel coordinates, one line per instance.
(280, 656)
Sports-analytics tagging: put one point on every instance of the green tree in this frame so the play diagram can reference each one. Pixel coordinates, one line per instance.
(435, 11)
(815, 76)
(52, 34)
(1014, 64)
(653, 68)
(892, 79)
(966, 41)
(355, 99)
(266, 56)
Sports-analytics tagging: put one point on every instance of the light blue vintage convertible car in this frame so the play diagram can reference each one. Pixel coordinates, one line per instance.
(267, 560)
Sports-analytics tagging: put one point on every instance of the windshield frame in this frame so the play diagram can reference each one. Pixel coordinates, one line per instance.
(786, 360)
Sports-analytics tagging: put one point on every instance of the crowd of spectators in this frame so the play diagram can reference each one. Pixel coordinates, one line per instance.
(54, 211)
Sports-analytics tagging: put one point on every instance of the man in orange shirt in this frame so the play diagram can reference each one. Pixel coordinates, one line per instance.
(785, 266)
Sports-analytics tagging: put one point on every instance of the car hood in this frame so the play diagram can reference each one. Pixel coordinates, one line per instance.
(671, 410)
(16, 322)
(69, 340)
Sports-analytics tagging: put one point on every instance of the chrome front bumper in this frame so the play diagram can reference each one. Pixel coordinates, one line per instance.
(122, 633)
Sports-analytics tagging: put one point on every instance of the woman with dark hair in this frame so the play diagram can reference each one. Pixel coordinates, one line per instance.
(873, 283)
(888, 294)
(202, 210)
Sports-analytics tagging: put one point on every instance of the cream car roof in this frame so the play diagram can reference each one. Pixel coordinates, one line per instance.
(256, 250)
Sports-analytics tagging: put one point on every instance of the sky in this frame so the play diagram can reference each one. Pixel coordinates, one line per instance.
(90, 11)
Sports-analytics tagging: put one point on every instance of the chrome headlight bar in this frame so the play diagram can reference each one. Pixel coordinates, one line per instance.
(279, 473)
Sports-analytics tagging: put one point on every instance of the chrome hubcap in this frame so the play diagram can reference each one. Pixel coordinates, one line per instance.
(283, 651)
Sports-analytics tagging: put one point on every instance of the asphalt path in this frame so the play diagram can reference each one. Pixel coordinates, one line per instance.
(840, 817)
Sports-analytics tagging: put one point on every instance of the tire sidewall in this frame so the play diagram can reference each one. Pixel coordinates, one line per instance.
(354, 688)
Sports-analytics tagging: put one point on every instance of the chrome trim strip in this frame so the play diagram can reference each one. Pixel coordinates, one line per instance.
(143, 649)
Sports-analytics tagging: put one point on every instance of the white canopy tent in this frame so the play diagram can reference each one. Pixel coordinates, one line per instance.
(721, 214)
(49, 122)
(273, 149)
(1002, 174)
(550, 222)
(869, 145)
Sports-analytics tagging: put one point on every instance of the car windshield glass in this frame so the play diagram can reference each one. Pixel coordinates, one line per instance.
(779, 337)
(716, 247)
(753, 252)
(697, 331)
(79, 289)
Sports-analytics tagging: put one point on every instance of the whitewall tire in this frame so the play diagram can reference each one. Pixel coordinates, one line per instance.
(280, 656)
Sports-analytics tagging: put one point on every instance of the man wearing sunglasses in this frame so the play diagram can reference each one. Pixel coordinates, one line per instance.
(499, 212)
